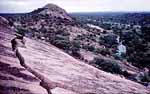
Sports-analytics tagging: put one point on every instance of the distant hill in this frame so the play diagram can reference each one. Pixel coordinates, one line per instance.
(53, 10)
(120, 17)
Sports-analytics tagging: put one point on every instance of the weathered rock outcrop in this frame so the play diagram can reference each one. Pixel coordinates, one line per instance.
(45, 67)
(14, 79)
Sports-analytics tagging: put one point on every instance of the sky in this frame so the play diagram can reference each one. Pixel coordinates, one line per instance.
(22, 6)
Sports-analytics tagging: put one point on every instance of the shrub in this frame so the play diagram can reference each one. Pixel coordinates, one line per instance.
(61, 42)
(76, 44)
(107, 65)
(103, 51)
(21, 30)
(76, 54)
(98, 50)
(63, 33)
(75, 48)
(90, 48)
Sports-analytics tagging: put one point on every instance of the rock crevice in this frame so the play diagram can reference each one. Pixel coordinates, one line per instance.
(15, 44)
(44, 82)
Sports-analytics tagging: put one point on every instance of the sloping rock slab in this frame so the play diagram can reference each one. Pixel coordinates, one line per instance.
(14, 79)
(59, 70)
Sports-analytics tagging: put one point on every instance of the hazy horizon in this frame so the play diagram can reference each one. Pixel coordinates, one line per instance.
(74, 6)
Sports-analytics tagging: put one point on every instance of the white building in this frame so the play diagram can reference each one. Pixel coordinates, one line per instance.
(121, 49)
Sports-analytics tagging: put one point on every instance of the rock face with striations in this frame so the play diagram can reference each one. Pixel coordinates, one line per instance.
(14, 79)
(45, 67)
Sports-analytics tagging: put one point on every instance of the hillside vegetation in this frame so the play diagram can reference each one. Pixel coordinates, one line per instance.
(86, 41)
(37, 67)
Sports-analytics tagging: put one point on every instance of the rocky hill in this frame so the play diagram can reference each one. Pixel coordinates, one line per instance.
(52, 24)
(52, 10)
(91, 45)
(36, 67)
